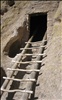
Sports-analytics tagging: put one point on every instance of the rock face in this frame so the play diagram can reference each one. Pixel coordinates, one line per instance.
(15, 31)
(51, 77)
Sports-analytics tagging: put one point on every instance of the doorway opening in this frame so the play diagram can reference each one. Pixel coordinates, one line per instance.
(37, 25)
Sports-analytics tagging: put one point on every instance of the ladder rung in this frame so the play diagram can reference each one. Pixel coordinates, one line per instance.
(32, 54)
(26, 62)
(24, 70)
(36, 42)
(32, 48)
(20, 80)
(17, 90)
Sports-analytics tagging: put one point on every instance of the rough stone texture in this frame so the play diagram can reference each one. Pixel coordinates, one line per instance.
(14, 27)
(50, 76)
(16, 19)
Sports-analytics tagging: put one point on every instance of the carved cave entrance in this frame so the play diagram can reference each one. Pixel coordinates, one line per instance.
(37, 25)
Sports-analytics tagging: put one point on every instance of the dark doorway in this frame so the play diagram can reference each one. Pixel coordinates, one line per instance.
(37, 25)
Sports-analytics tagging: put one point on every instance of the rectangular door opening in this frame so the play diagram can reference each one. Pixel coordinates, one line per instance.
(37, 25)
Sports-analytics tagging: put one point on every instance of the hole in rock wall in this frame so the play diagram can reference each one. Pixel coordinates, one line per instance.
(14, 49)
(13, 46)
(10, 2)
(37, 25)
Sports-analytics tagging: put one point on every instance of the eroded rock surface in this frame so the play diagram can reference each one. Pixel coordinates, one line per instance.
(15, 30)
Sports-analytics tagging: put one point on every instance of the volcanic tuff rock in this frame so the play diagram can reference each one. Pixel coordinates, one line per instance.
(14, 28)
